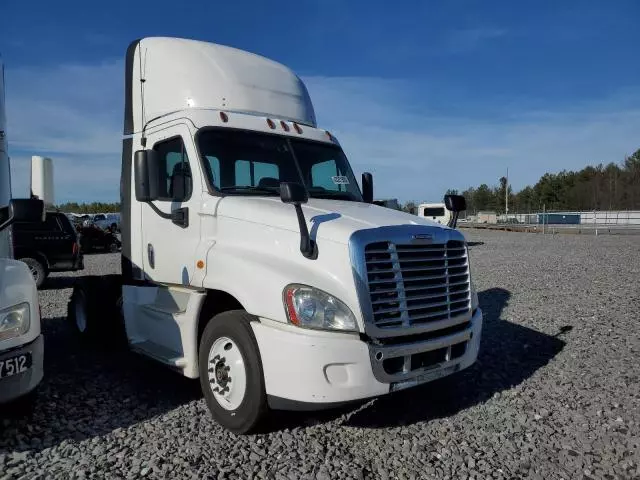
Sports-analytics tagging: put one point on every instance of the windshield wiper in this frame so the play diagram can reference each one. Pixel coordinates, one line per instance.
(249, 188)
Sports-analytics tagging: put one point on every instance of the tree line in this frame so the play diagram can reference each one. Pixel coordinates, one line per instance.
(93, 207)
(610, 187)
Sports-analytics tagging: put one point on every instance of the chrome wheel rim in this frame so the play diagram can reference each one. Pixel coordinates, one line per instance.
(34, 272)
(227, 373)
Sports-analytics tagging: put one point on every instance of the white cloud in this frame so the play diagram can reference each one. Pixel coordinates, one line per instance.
(418, 156)
(74, 114)
(66, 109)
(74, 179)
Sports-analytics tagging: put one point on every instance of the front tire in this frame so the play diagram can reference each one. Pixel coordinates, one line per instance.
(231, 373)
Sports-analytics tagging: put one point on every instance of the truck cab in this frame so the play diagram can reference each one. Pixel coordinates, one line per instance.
(251, 257)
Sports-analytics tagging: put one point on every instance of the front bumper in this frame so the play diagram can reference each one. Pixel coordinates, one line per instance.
(311, 370)
(16, 386)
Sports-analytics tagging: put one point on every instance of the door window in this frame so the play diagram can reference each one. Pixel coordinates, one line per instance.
(434, 212)
(175, 174)
(49, 225)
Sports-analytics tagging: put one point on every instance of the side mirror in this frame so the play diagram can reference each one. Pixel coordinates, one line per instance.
(455, 203)
(367, 187)
(293, 193)
(24, 210)
(145, 168)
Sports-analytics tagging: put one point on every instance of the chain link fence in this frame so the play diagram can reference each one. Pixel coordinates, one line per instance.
(595, 221)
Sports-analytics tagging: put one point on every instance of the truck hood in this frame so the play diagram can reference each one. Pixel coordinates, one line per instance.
(327, 219)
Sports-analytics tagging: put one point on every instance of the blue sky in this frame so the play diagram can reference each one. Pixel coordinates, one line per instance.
(426, 95)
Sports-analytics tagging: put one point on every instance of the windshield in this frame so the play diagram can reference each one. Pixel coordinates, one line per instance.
(434, 212)
(250, 163)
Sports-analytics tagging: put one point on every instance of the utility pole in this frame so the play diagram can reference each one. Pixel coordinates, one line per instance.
(506, 197)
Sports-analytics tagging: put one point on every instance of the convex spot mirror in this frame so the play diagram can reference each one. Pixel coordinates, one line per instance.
(455, 203)
(291, 192)
(367, 187)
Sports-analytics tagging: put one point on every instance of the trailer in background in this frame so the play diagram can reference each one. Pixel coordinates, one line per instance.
(558, 218)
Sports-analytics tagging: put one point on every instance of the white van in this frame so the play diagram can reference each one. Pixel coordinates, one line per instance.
(435, 211)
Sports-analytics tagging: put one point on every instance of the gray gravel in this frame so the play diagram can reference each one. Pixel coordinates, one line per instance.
(555, 393)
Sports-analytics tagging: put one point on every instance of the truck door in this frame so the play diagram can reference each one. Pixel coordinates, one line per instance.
(169, 244)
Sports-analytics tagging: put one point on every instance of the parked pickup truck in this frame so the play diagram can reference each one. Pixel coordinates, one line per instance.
(52, 246)
(108, 221)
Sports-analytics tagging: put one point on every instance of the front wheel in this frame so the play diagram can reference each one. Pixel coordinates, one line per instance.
(231, 374)
(37, 269)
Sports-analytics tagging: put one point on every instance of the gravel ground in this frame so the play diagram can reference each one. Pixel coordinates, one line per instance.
(555, 392)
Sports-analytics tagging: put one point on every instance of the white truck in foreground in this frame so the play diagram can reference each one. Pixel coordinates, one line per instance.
(252, 260)
(21, 343)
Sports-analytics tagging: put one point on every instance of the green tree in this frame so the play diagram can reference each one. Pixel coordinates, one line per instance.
(601, 187)
(410, 207)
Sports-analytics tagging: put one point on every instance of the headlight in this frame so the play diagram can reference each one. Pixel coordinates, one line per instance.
(474, 297)
(14, 321)
(309, 307)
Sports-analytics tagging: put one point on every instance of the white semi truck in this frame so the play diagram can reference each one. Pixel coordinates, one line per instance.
(251, 258)
(21, 343)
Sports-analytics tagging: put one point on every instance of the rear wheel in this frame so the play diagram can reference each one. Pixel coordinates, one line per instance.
(95, 310)
(37, 269)
(231, 374)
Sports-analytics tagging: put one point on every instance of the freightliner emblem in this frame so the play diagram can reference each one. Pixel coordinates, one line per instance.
(422, 238)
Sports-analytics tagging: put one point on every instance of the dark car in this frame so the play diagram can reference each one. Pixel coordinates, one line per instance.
(94, 238)
(51, 246)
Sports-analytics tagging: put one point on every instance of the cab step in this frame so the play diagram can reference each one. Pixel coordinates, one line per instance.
(159, 353)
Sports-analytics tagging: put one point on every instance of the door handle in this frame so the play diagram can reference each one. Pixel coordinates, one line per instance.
(180, 217)
(151, 256)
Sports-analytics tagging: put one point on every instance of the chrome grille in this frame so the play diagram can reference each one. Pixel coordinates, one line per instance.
(413, 285)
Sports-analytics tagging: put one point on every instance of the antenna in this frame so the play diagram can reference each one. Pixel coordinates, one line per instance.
(143, 139)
